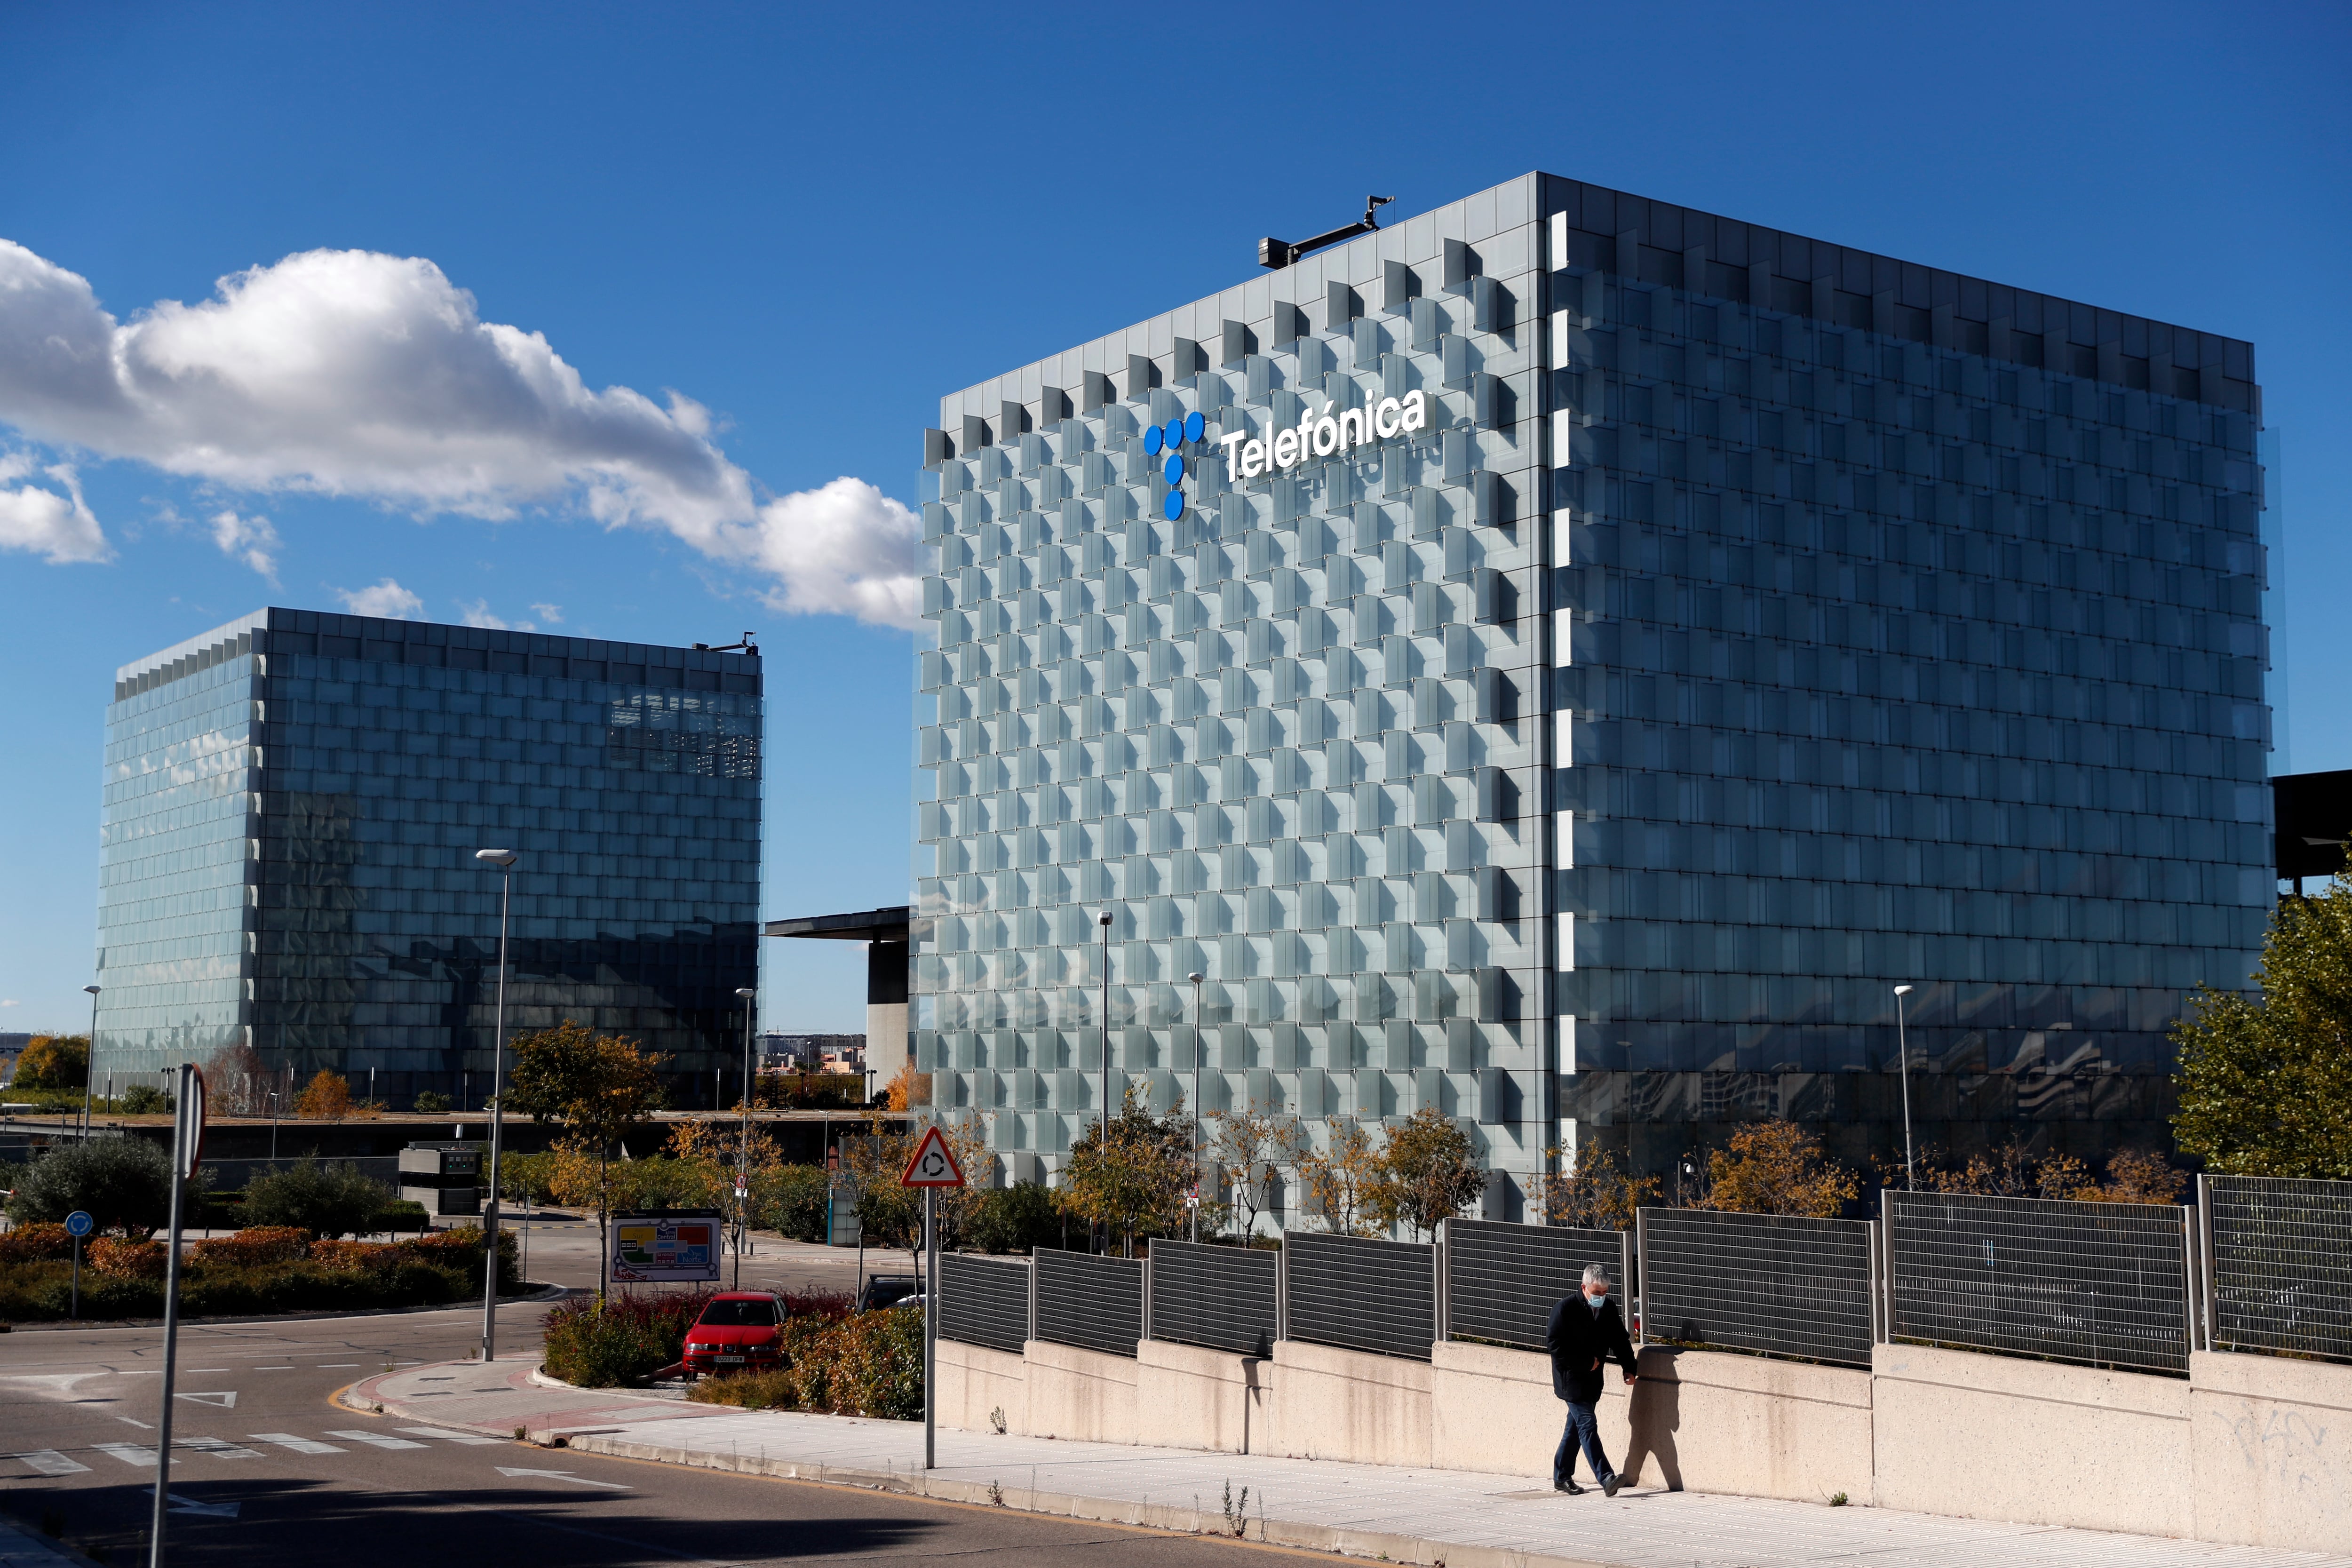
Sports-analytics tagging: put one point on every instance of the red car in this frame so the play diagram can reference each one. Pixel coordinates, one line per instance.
(738, 1331)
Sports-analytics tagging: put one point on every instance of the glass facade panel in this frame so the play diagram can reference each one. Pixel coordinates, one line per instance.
(291, 807)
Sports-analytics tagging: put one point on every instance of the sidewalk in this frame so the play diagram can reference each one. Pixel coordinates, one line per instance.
(1457, 1518)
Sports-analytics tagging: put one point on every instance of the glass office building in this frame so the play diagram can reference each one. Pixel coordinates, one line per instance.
(292, 803)
(1748, 624)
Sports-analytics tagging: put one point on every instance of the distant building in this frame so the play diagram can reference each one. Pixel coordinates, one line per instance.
(291, 806)
(884, 932)
(812, 1053)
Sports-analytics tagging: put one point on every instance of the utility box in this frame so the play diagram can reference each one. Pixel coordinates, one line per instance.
(445, 1179)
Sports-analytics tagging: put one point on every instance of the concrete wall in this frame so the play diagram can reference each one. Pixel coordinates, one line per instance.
(1493, 1409)
(1080, 1393)
(1348, 1404)
(2032, 1442)
(1704, 1421)
(974, 1381)
(1188, 1397)
(2270, 1445)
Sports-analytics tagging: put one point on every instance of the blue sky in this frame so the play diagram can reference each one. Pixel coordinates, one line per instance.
(767, 240)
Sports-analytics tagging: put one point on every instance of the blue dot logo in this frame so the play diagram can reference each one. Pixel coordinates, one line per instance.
(1152, 440)
(1183, 430)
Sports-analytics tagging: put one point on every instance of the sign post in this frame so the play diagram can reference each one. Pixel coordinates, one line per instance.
(932, 1166)
(188, 1152)
(78, 1224)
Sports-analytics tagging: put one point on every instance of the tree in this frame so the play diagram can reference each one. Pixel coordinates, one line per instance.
(1018, 1218)
(1775, 1167)
(236, 1082)
(54, 1061)
(907, 1087)
(710, 1152)
(1593, 1192)
(1343, 1180)
(1129, 1177)
(598, 1085)
(1254, 1147)
(125, 1184)
(2266, 1086)
(325, 1200)
(326, 1098)
(1426, 1173)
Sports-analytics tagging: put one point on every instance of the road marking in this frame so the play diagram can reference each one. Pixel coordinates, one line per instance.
(300, 1445)
(377, 1439)
(128, 1452)
(55, 1384)
(217, 1448)
(449, 1437)
(200, 1370)
(226, 1398)
(336, 1365)
(50, 1462)
(565, 1475)
(140, 1424)
(190, 1505)
(275, 1369)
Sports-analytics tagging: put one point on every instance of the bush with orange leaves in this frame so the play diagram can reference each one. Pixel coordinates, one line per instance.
(252, 1248)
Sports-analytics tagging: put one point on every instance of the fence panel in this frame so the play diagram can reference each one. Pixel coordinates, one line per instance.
(1776, 1283)
(1221, 1296)
(2105, 1284)
(1502, 1281)
(2281, 1265)
(1095, 1303)
(1360, 1295)
(984, 1301)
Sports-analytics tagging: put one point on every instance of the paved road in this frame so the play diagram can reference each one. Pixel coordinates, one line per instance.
(272, 1471)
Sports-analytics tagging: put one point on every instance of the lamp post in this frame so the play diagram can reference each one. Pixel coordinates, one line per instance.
(1903, 1047)
(743, 1158)
(504, 859)
(90, 1062)
(1196, 977)
(1105, 922)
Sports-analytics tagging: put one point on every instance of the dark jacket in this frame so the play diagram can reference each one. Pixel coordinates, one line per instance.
(1580, 1340)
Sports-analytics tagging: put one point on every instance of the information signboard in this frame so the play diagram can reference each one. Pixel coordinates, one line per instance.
(673, 1248)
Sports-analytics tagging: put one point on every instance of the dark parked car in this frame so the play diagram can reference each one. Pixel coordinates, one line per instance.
(888, 1291)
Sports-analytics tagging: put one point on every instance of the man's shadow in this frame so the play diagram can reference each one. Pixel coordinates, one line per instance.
(1656, 1418)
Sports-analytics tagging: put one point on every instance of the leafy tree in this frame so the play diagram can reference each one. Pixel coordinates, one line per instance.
(54, 1061)
(1131, 1177)
(908, 1089)
(125, 1184)
(2011, 1171)
(144, 1099)
(1254, 1146)
(793, 1200)
(326, 1098)
(2137, 1176)
(1593, 1192)
(2266, 1086)
(1775, 1167)
(1426, 1173)
(598, 1085)
(325, 1200)
(1018, 1218)
(431, 1101)
(1342, 1181)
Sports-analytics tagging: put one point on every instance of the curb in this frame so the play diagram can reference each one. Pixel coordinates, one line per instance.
(1177, 1520)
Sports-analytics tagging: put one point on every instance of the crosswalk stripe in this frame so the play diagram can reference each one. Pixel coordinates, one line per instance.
(50, 1462)
(300, 1445)
(128, 1452)
(470, 1437)
(377, 1440)
(216, 1448)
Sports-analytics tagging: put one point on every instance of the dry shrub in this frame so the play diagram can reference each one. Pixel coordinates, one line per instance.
(126, 1259)
(375, 1255)
(43, 1242)
(252, 1248)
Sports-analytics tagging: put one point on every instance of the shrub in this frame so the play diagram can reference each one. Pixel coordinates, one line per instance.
(35, 1244)
(144, 1099)
(431, 1102)
(125, 1259)
(253, 1246)
(1015, 1219)
(402, 1215)
(609, 1342)
(124, 1183)
(868, 1364)
(325, 1200)
(793, 1201)
(326, 1098)
(376, 1255)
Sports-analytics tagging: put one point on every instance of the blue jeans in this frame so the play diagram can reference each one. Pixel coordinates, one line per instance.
(1583, 1428)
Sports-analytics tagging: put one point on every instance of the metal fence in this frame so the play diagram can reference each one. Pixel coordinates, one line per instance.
(1776, 1283)
(2105, 1284)
(1378, 1296)
(984, 1301)
(1225, 1298)
(1095, 1303)
(2279, 1264)
(1502, 1281)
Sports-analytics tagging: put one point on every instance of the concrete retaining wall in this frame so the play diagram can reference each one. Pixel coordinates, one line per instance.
(1705, 1421)
(1080, 1393)
(1493, 1409)
(973, 1380)
(2270, 1442)
(1187, 1398)
(1348, 1404)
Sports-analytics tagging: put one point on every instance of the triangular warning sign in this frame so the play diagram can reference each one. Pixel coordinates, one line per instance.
(226, 1399)
(934, 1165)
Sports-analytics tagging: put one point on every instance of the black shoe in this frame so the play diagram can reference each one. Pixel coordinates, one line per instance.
(1609, 1488)
(1571, 1488)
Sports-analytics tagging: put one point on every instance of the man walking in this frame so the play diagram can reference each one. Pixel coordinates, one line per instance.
(1586, 1330)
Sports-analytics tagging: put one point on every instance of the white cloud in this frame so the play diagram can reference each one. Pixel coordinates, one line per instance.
(387, 600)
(57, 528)
(355, 374)
(478, 614)
(251, 540)
(552, 614)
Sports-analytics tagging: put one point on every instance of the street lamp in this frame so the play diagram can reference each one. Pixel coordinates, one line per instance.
(743, 1161)
(504, 859)
(1903, 1046)
(1196, 977)
(1104, 920)
(90, 1062)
